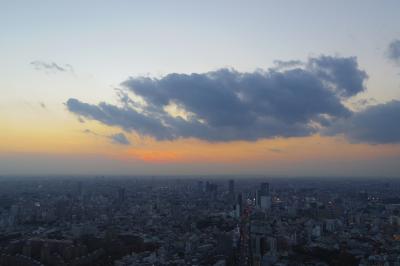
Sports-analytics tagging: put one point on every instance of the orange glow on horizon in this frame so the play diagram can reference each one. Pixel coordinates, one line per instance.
(49, 135)
(152, 156)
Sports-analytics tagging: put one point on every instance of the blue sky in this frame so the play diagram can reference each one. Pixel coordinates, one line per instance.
(102, 43)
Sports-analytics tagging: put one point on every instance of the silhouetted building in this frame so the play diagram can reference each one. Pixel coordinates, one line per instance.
(200, 186)
(263, 197)
(231, 190)
(121, 195)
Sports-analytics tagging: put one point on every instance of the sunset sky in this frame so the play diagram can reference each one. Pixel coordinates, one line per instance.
(274, 88)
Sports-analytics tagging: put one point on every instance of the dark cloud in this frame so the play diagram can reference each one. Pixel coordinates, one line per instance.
(393, 51)
(377, 124)
(91, 132)
(124, 117)
(342, 74)
(120, 138)
(51, 66)
(227, 105)
(42, 105)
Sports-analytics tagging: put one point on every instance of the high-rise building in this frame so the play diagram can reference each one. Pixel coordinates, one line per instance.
(231, 186)
(200, 186)
(239, 206)
(265, 202)
(80, 190)
(121, 195)
(265, 188)
(231, 190)
(263, 197)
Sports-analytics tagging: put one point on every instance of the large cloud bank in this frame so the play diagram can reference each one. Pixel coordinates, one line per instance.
(225, 105)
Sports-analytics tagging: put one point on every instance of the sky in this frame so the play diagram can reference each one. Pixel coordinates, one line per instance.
(272, 88)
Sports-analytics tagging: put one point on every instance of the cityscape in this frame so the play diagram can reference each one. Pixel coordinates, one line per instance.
(200, 133)
(124, 221)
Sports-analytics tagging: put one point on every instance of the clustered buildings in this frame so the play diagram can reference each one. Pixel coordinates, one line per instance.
(198, 221)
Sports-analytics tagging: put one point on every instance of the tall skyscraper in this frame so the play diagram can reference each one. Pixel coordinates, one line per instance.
(265, 188)
(200, 186)
(80, 190)
(121, 195)
(239, 206)
(263, 197)
(231, 190)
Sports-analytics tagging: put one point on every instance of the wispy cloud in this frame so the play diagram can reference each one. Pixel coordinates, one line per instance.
(88, 131)
(51, 67)
(117, 138)
(120, 138)
(393, 51)
(279, 64)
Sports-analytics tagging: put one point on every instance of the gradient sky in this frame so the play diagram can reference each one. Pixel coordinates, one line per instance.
(61, 59)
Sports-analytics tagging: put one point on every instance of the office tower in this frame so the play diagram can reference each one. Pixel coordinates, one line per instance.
(231, 186)
(265, 188)
(263, 197)
(231, 190)
(265, 202)
(80, 190)
(239, 206)
(200, 186)
(121, 195)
